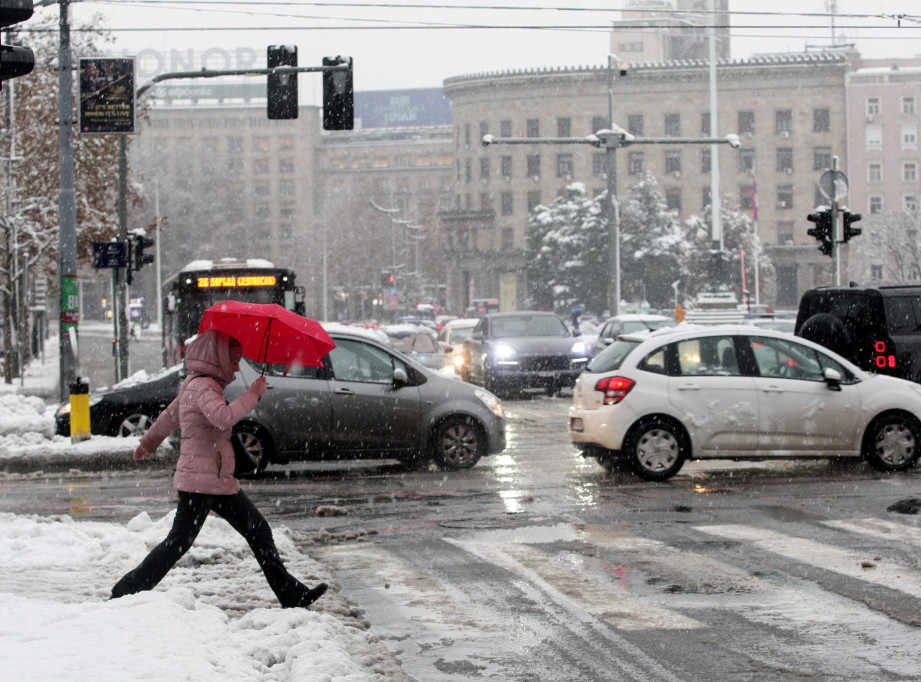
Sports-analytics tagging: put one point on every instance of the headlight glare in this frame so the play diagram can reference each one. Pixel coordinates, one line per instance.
(493, 404)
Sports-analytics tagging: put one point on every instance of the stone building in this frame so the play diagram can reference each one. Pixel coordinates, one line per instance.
(789, 111)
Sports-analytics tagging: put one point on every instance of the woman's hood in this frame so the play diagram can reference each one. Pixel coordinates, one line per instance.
(209, 355)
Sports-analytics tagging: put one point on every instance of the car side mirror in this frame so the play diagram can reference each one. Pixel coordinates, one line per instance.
(577, 332)
(832, 379)
(607, 340)
(400, 377)
(448, 349)
(477, 336)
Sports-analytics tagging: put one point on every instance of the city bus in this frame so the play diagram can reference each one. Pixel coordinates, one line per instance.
(202, 283)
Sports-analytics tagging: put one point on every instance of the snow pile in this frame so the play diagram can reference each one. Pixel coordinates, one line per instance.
(212, 618)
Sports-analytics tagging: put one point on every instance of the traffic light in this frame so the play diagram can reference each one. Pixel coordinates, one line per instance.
(338, 95)
(15, 60)
(140, 258)
(824, 230)
(849, 219)
(282, 87)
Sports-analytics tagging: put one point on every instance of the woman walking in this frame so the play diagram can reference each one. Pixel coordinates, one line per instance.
(204, 476)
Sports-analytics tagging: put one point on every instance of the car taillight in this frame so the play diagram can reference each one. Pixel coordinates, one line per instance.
(614, 389)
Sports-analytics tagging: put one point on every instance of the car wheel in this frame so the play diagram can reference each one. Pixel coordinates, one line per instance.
(458, 443)
(257, 442)
(827, 330)
(656, 448)
(892, 443)
(134, 424)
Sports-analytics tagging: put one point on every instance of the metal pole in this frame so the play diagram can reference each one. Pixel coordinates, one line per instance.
(122, 289)
(70, 307)
(835, 250)
(159, 258)
(613, 207)
(715, 203)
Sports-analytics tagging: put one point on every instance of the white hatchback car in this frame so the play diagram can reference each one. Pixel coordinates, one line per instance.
(738, 392)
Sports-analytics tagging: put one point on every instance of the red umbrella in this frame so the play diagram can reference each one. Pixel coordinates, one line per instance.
(270, 333)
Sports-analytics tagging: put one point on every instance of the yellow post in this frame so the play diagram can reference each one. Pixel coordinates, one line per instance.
(79, 410)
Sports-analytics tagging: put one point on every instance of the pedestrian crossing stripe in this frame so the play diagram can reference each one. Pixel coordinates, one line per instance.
(879, 528)
(853, 564)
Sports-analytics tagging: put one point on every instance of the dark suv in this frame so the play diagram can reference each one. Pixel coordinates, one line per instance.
(876, 328)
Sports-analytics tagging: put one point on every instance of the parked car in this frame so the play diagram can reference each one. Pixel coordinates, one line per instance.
(737, 392)
(367, 401)
(451, 339)
(624, 324)
(514, 351)
(129, 407)
(876, 328)
(419, 343)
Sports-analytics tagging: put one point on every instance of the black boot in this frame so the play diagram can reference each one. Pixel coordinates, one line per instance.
(311, 595)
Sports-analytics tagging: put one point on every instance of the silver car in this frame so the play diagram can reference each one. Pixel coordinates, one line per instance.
(367, 401)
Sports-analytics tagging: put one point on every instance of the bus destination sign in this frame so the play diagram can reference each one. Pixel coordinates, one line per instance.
(231, 281)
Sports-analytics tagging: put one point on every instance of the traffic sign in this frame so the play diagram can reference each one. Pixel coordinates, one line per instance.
(833, 184)
(110, 254)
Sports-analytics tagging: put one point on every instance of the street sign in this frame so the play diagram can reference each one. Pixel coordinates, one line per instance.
(110, 254)
(833, 184)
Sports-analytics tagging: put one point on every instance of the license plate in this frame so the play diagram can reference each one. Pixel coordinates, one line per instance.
(575, 424)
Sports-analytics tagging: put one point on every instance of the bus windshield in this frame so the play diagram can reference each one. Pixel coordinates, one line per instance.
(203, 283)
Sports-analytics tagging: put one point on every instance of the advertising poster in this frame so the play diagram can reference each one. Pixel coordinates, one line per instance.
(107, 87)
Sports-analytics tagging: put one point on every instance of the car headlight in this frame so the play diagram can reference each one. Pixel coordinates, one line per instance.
(579, 348)
(504, 354)
(492, 402)
(458, 362)
(65, 408)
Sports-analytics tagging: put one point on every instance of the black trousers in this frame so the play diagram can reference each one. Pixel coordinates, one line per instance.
(191, 513)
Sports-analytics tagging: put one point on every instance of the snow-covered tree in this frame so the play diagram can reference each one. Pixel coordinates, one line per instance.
(567, 253)
(653, 245)
(888, 250)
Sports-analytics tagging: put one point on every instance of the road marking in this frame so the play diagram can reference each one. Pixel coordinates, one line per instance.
(824, 556)
(880, 528)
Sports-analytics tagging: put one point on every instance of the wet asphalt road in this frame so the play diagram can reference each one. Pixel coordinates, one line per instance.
(538, 565)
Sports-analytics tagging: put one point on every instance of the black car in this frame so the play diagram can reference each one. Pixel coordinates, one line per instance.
(129, 407)
(877, 328)
(366, 401)
(520, 350)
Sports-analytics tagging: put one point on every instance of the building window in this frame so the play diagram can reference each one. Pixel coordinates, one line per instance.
(533, 200)
(910, 203)
(467, 134)
(746, 197)
(599, 164)
(784, 196)
(599, 123)
(636, 163)
(746, 160)
(673, 198)
(875, 172)
(533, 165)
(909, 137)
(484, 129)
(785, 233)
(785, 159)
(564, 166)
(261, 167)
(876, 272)
(908, 106)
(672, 125)
(234, 144)
(783, 121)
(821, 158)
(508, 203)
(564, 127)
(261, 144)
(909, 171)
(533, 128)
(209, 144)
(876, 204)
(286, 166)
(286, 144)
(635, 124)
(505, 128)
(261, 189)
(706, 160)
(874, 136)
(673, 162)
(468, 170)
(263, 210)
(506, 163)
(286, 188)
(872, 106)
(747, 123)
(818, 199)
(705, 124)
(706, 197)
(508, 238)
(485, 201)
(484, 168)
(821, 121)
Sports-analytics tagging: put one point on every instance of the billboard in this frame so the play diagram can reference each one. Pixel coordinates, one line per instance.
(107, 102)
(421, 107)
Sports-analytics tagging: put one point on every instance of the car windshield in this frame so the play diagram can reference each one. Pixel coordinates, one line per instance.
(414, 343)
(527, 325)
(459, 334)
(642, 325)
(612, 357)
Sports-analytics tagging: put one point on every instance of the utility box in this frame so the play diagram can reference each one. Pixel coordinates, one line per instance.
(79, 410)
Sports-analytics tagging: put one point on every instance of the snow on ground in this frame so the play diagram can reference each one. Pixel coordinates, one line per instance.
(212, 618)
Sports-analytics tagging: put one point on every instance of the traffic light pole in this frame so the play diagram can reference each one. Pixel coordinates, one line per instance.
(120, 279)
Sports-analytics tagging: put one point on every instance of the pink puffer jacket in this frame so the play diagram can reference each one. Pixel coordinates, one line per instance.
(206, 459)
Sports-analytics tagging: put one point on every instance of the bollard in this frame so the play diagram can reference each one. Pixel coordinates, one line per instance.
(79, 410)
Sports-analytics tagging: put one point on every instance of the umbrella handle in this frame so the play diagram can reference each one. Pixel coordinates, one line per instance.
(265, 346)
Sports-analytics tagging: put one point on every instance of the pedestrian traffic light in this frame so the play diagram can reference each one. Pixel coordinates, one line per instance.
(850, 218)
(15, 60)
(282, 87)
(140, 258)
(338, 95)
(824, 230)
